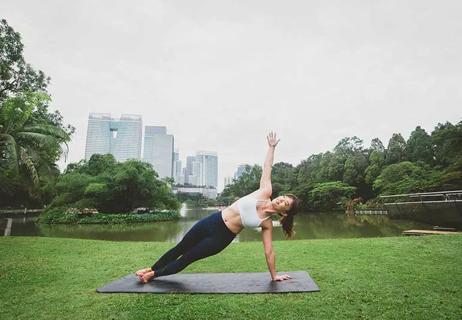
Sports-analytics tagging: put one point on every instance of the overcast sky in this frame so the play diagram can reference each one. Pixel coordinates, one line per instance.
(221, 74)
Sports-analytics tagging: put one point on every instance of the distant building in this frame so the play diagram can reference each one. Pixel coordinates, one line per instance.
(177, 167)
(195, 178)
(158, 150)
(240, 170)
(208, 174)
(202, 169)
(228, 181)
(119, 137)
(210, 193)
(182, 176)
(189, 169)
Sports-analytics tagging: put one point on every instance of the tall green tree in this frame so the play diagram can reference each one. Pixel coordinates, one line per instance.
(15, 74)
(419, 146)
(376, 161)
(28, 144)
(283, 176)
(396, 149)
(32, 139)
(447, 142)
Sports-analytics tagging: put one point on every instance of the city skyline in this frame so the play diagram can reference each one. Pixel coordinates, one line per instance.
(125, 138)
(222, 75)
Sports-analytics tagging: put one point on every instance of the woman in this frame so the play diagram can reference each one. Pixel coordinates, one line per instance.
(215, 232)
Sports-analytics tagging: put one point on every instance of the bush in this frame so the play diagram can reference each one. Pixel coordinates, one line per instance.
(327, 195)
(66, 215)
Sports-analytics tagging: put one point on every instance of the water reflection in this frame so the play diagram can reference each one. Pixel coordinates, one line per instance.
(307, 226)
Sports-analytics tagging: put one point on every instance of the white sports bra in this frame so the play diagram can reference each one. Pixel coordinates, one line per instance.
(248, 210)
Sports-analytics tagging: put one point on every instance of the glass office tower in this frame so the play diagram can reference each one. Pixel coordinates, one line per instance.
(119, 137)
(207, 175)
(158, 150)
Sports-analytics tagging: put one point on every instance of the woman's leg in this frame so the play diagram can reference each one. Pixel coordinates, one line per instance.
(190, 239)
(205, 248)
(207, 237)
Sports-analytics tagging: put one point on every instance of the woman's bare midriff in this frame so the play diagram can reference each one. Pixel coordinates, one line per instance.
(232, 219)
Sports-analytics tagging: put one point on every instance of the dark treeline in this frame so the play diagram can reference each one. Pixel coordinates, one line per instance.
(425, 162)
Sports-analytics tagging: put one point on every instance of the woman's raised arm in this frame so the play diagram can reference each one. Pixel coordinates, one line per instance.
(265, 182)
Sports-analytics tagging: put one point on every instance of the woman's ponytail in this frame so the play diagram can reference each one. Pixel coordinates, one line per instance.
(287, 222)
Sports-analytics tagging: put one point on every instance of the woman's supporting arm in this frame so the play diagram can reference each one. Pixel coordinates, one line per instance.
(267, 237)
(270, 261)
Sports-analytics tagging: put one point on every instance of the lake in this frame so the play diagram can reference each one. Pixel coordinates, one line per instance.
(306, 225)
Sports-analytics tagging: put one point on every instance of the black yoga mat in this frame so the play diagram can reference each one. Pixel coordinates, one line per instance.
(247, 282)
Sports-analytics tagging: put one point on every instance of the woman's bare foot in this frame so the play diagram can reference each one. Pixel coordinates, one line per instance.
(142, 271)
(145, 278)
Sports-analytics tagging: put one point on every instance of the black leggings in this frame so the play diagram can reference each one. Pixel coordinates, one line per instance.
(207, 237)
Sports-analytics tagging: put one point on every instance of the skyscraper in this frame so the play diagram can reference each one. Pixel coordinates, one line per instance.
(158, 150)
(189, 170)
(208, 173)
(240, 170)
(119, 137)
(176, 167)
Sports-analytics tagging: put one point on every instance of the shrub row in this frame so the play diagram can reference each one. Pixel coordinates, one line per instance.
(62, 215)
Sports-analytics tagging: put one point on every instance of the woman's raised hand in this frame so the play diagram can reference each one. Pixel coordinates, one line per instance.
(272, 140)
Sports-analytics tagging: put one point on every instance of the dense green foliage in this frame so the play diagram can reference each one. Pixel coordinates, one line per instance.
(373, 278)
(327, 195)
(323, 181)
(111, 186)
(15, 74)
(31, 138)
(61, 215)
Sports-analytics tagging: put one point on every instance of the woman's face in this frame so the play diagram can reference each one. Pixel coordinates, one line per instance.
(282, 204)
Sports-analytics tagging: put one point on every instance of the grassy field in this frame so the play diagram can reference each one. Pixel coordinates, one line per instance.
(378, 278)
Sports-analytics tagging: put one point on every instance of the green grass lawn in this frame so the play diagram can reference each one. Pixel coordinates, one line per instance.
(369, 278)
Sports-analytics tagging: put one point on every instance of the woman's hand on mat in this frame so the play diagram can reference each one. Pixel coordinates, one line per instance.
(145, 278)
(142, 271)
(272, 140)
(283, 277)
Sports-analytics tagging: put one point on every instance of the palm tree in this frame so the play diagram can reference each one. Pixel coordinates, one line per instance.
(26, 143)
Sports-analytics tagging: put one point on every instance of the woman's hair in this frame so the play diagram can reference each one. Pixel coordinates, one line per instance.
(287, 222)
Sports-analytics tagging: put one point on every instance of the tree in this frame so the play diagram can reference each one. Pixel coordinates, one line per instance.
(29, 145)
(349, 145)
(419, 146)
(111, 186)
(282, 177)
(327, 195)
(31, 138)
(377, 145)
(248, 182)
(396, 149)
(355, 165)
(403, 177)
(15, 74)
(447, 143)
